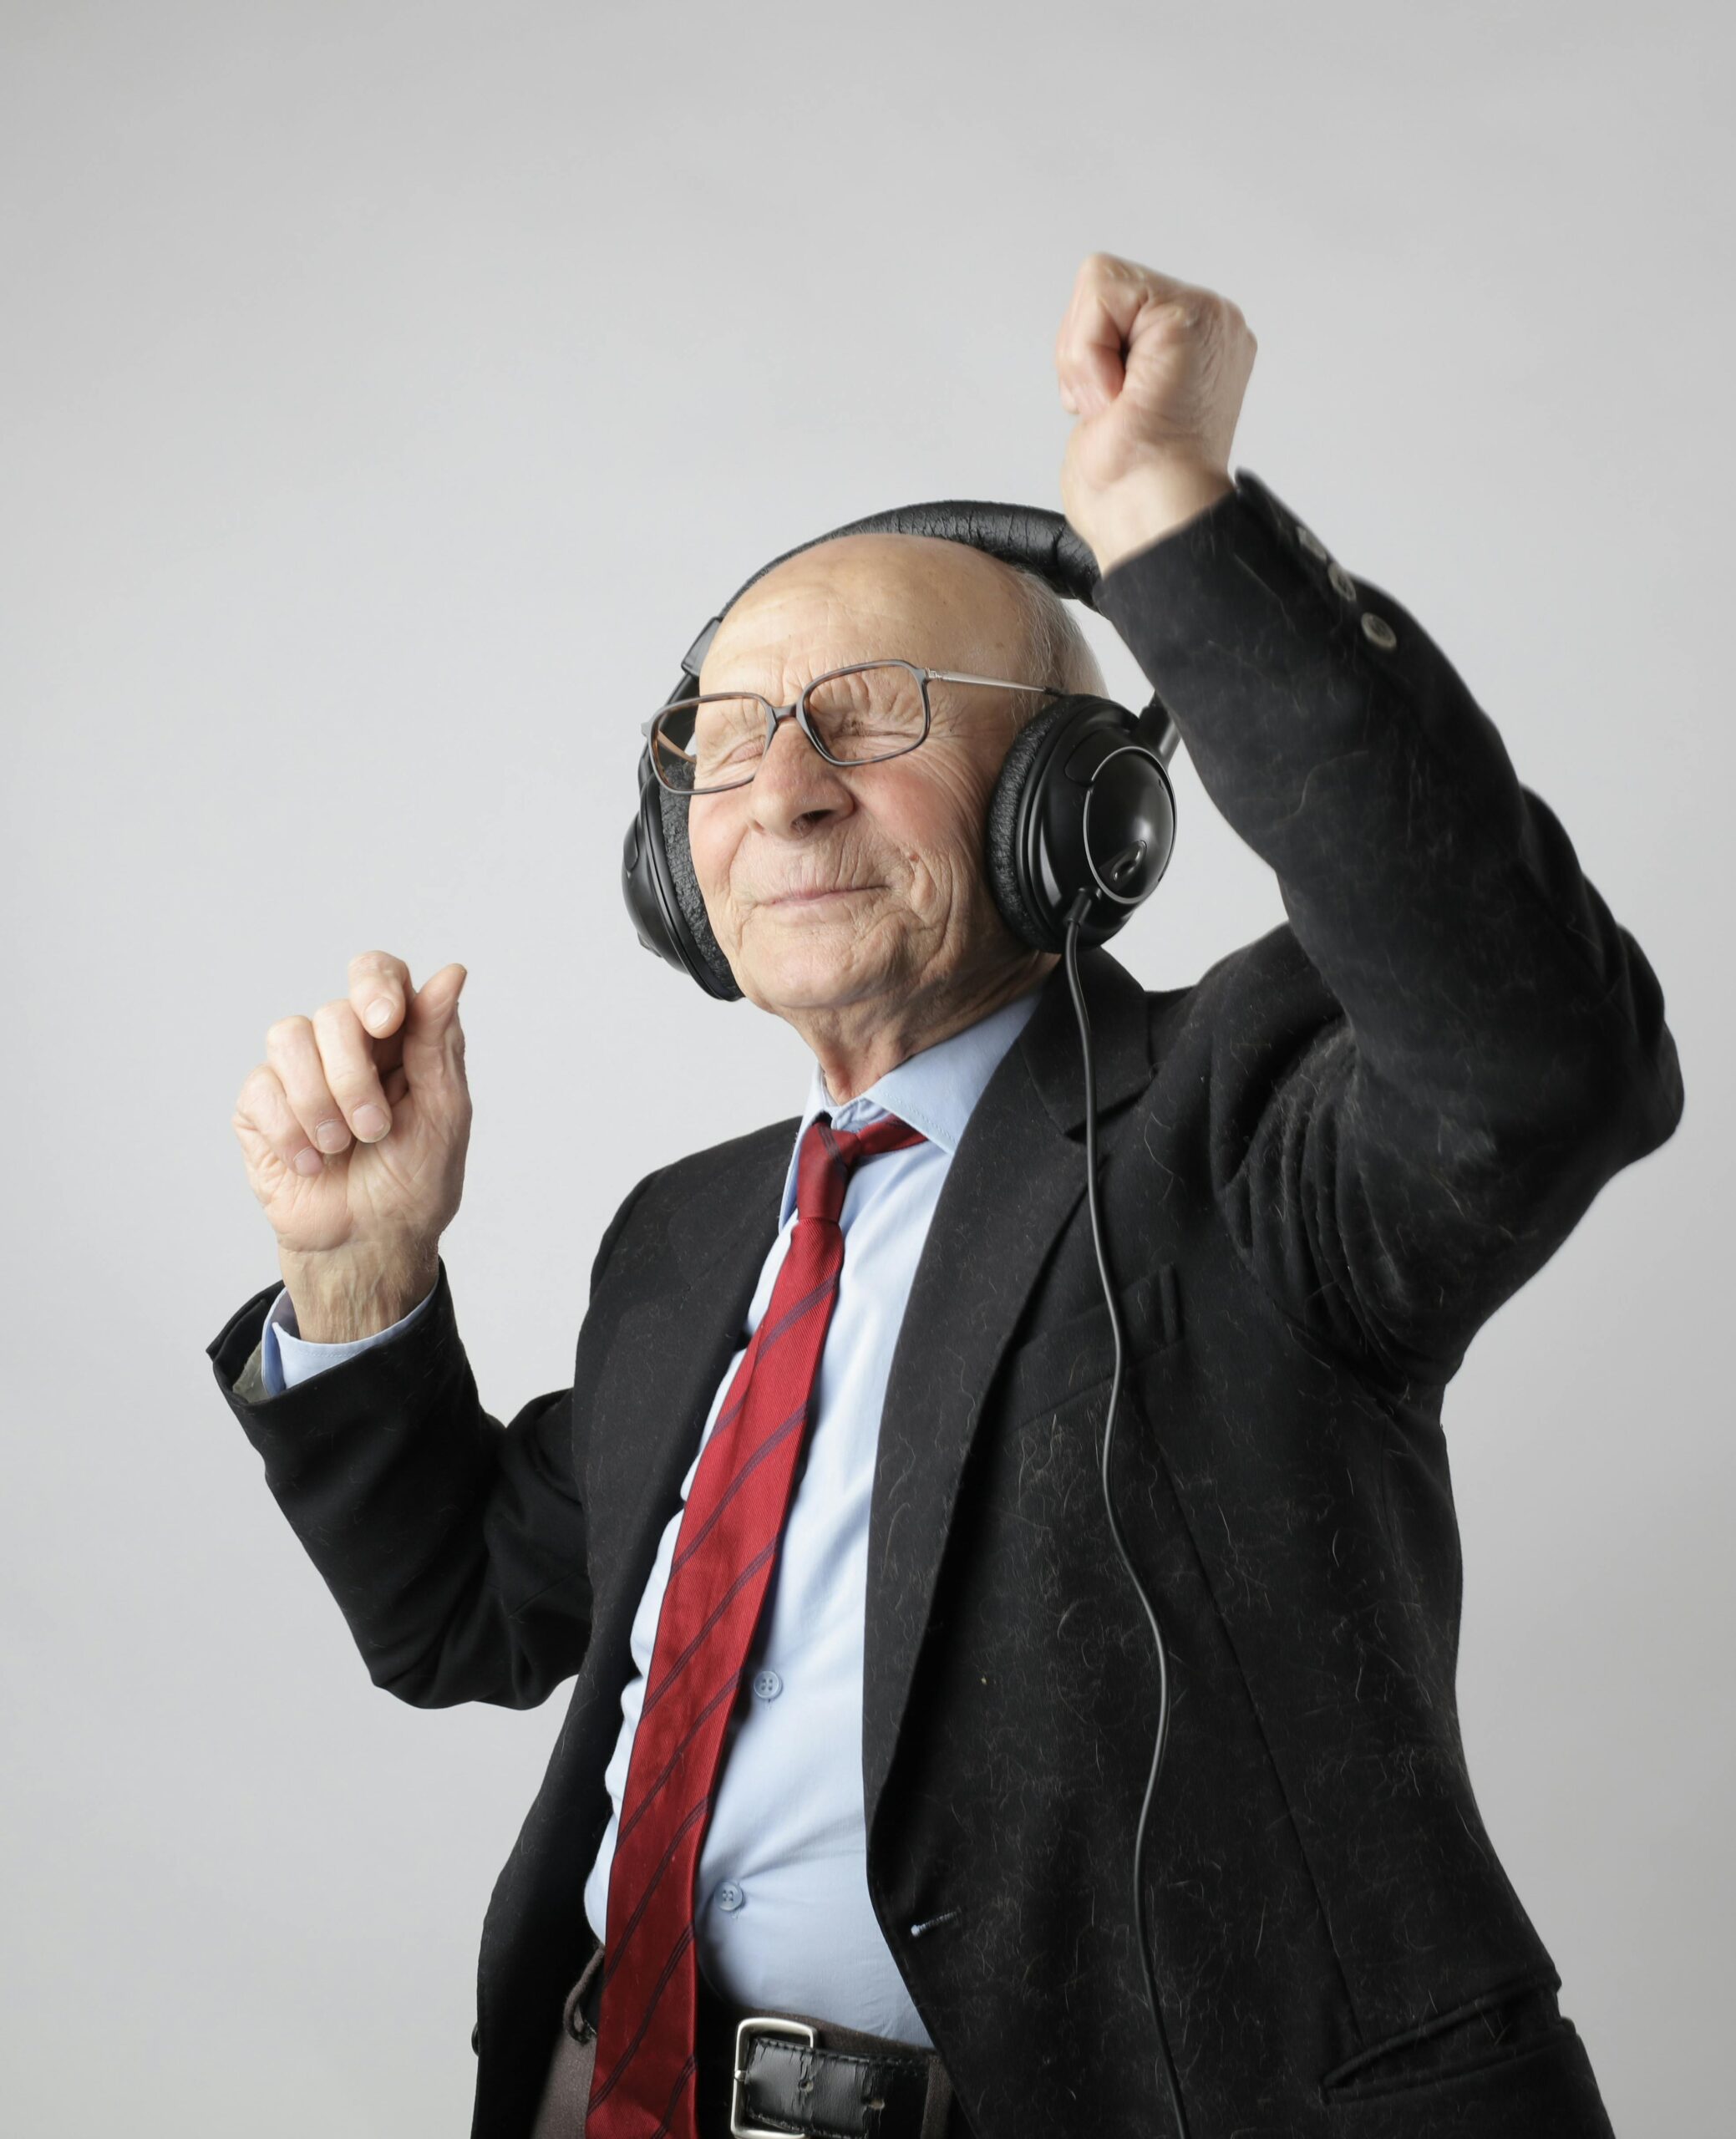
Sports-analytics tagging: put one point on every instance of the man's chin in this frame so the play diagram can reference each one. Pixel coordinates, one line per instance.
(812, 955)
(813, 975)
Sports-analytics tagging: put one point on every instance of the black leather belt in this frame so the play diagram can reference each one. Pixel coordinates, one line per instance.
(782, 2073)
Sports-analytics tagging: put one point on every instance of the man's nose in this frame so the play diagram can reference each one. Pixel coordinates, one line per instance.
(793, 784)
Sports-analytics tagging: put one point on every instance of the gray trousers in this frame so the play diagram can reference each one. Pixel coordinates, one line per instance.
(566, 2091)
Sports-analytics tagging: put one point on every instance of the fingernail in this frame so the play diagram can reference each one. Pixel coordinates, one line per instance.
(379, 1013)
(331, 1136)
(371, 1123)
(308, 1160)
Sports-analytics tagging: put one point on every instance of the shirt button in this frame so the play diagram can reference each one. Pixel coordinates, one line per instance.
(768, 1684)
(730, 1896)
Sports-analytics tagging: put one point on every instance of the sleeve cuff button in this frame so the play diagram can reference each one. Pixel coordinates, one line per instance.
(1378, 631)
(1343, 583)
(1312, 543)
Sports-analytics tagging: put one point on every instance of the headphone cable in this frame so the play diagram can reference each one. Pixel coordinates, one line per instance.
(1143, 1940)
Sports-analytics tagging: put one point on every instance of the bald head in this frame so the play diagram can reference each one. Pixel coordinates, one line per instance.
(941, 604)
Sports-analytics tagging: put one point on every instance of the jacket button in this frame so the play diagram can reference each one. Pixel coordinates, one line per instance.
(476, 2038)
(1343, 583)
(1378, 631)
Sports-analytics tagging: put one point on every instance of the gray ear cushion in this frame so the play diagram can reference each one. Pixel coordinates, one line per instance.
(674, 808)
(1003, 815)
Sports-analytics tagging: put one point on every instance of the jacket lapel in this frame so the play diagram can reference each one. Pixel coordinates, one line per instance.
(667, 1353)
(1017, 1177)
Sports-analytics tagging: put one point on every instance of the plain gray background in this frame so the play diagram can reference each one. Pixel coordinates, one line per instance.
(391, 392)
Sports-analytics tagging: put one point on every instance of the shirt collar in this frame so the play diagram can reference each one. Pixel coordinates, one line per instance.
(935, 1090)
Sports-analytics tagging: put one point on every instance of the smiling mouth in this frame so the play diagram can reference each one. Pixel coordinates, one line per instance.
(817, 898)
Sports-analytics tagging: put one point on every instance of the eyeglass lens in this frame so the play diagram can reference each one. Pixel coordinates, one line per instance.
(857, 716)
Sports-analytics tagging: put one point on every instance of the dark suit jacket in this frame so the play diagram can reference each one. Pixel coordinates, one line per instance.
(1327, 1161)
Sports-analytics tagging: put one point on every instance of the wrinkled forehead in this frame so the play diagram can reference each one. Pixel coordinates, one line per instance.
(869, 597)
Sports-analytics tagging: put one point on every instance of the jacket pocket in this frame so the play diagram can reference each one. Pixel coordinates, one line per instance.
(1479, 2038)
(1056, 1365)
(1547, 2087)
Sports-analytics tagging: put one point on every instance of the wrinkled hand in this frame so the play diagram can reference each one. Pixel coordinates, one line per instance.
(353, 1131)
(1156, 370)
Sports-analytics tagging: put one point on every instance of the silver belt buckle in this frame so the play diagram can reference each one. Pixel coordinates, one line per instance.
(764, 2023)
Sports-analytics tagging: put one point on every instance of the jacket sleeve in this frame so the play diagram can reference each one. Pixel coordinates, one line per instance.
(455, 1546)
(1490, 1047)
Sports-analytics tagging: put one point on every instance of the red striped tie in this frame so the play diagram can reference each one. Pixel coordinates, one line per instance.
(642, 2083)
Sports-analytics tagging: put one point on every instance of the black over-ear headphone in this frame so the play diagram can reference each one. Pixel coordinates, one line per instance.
(1083, 808)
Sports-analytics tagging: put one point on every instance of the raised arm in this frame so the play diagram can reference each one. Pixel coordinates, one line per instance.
(1499, 1049)
(1490, 1046)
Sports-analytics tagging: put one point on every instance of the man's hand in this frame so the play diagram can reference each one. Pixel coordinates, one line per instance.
(1154, 370)
(355, 1145)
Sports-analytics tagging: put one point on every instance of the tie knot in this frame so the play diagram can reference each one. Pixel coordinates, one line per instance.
(829, 1156)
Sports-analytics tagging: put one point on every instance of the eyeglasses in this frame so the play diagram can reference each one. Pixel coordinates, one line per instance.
(855, 716)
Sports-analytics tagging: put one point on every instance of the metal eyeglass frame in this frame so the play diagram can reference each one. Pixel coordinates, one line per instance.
(797, 711)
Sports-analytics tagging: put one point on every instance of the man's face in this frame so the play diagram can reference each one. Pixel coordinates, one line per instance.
(828, 888)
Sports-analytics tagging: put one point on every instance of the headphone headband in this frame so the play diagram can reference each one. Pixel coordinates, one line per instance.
(1041, 541)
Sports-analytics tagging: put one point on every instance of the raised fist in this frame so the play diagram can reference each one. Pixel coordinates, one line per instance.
(1154, 370)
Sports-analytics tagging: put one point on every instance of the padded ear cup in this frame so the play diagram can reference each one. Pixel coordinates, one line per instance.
(662, 893)
(1081, 805)
(1006, 818)
(680, 857)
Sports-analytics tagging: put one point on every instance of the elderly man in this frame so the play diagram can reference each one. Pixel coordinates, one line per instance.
(863, 1707)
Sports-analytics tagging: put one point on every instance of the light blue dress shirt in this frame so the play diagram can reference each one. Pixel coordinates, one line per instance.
(782, 1915)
